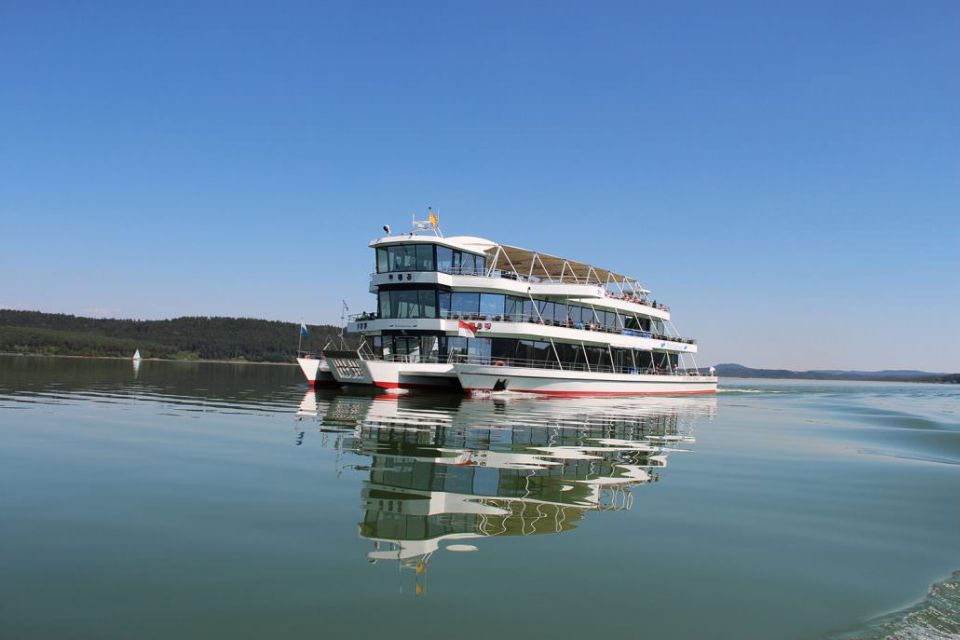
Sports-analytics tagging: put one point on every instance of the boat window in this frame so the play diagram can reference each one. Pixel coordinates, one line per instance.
(597, 357)
(546, 310)
(478, 347)
(491, 304)
(481, 264)
(406, 257)
(456, 345)
(503, 348)
(398, 257)
(543, 353)
(524, 350)
(560, 313)
(428, 303)
(444, 259)
(529, 315)
(465, 303)
(408, 303)
(405, 304)
(468, 264)
(575, 313)
(513, 307)
(424, 257)
(383, 306)
(444, 300)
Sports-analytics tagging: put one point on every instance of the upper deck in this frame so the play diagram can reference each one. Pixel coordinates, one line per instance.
(472, 263)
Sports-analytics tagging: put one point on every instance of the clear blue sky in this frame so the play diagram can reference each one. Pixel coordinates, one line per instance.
(785, 175)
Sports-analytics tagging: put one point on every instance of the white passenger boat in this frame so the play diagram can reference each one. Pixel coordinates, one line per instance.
(473, 314)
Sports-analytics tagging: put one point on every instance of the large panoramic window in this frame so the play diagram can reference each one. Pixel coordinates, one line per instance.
(474, 347)
(408, 303)
(428, 257)
(459, 262)
(405, 257)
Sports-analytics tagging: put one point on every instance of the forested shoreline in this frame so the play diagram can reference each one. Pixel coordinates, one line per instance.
(185, 338)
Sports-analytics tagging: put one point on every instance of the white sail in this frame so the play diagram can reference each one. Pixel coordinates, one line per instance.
(136, 354)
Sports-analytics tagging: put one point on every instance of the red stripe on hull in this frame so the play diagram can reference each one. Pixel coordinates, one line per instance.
(570, 394)
(408, 385)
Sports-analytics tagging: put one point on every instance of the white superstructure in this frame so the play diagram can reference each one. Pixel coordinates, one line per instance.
(469, 313)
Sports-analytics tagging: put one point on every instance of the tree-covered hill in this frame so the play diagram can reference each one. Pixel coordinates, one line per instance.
(732, 370)
(210, 338)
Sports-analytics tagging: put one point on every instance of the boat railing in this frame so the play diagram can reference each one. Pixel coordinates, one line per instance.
(409, 358)
(519, 277)
(569, 323)
(554, 365)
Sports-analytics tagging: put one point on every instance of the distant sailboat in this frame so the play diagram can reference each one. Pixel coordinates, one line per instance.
(136, 355)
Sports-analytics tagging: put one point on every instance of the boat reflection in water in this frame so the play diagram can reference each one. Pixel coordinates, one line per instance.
(446, 471)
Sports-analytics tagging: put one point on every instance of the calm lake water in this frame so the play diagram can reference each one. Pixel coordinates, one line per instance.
(228, 501)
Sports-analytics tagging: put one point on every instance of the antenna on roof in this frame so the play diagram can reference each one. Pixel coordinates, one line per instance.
(432, 223)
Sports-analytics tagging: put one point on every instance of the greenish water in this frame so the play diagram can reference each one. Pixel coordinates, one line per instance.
(219, 501)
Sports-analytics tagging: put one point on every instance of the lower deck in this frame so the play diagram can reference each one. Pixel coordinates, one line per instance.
(478, 375)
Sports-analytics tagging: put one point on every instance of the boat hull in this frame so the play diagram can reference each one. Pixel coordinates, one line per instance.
(552, 382)
(350, 369)
(316, 371)
(402, 376)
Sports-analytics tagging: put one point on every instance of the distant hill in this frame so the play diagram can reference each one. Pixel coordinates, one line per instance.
(732, 370)
(208, 338)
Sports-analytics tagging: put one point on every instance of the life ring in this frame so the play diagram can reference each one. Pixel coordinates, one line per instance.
(498, 363)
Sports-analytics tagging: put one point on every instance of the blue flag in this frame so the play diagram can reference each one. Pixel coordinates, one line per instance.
(303, 330)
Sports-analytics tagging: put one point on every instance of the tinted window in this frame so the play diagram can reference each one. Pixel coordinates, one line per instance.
(444, 299)
(428, 303)
(405, 304)
(542, 352)
(456, 345)
(513, 307)
(546, 310)
(479, 347)
(408, 303)
(424, 257)
(491, 304)
(468, 263)
(405, 257)
(528, 313)
(444, 259)
(461, 303)
(560, 313)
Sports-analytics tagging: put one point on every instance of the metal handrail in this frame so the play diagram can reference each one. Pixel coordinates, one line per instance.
(535, 319)
(552, 364)
(513, 275)
(569, 324)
